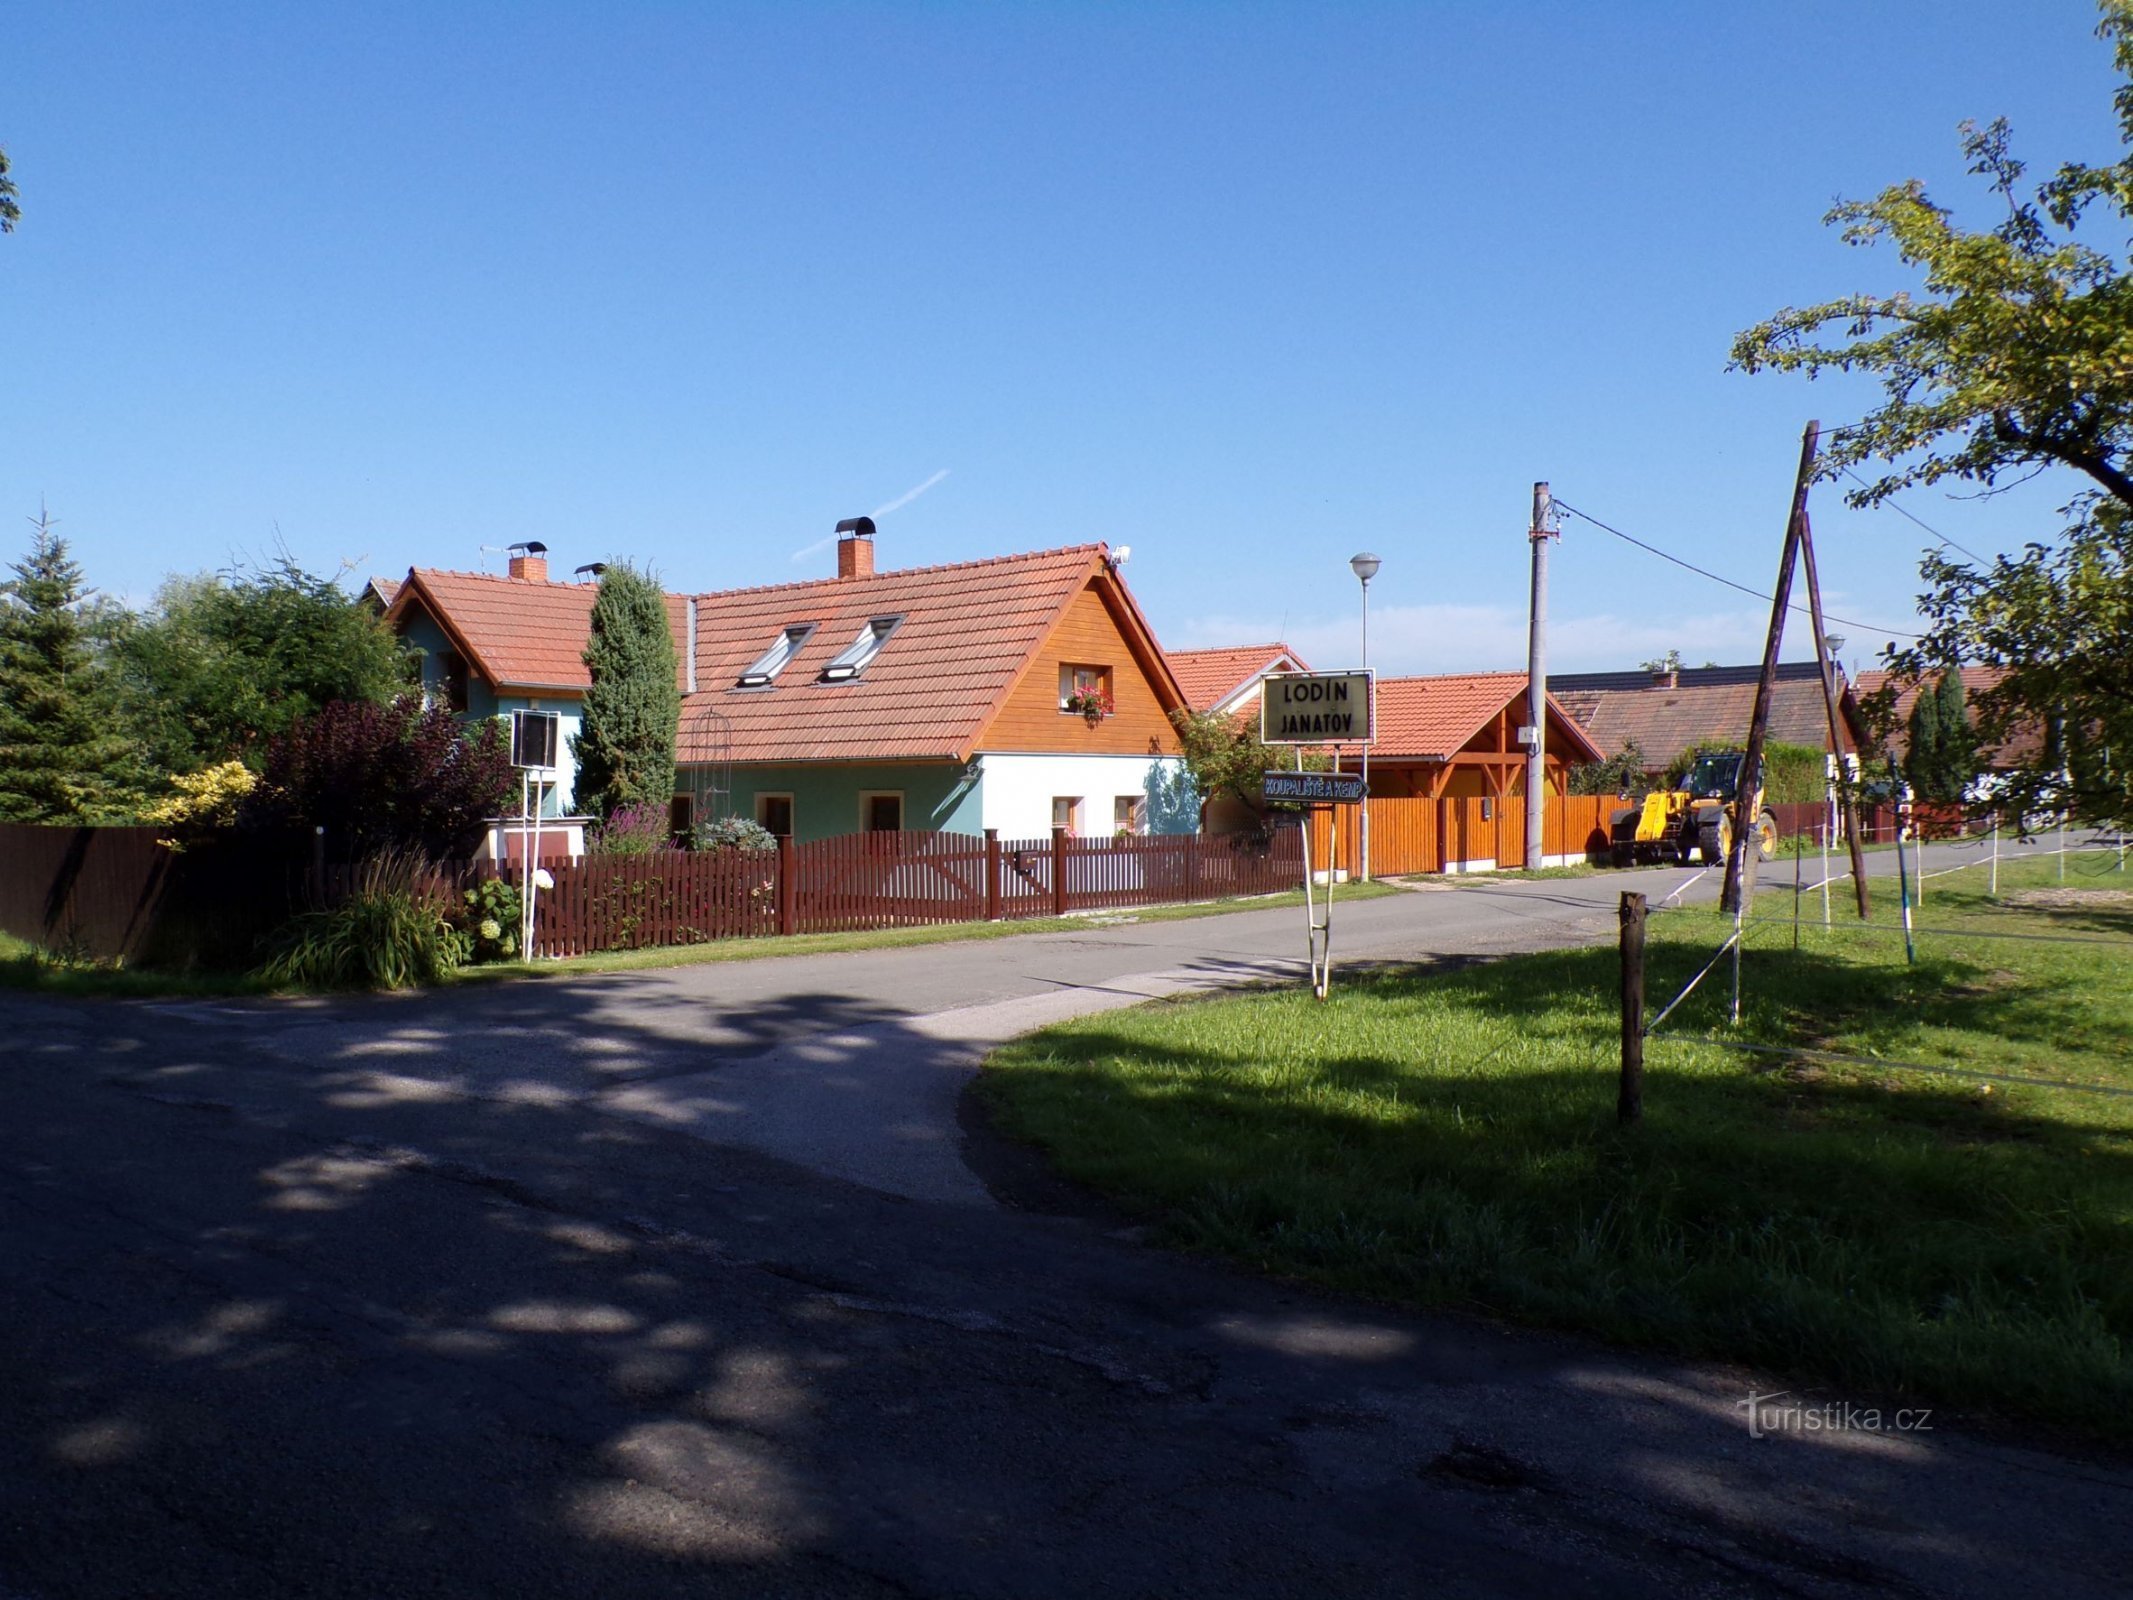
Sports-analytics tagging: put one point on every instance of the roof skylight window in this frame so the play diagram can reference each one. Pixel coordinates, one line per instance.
(853, 658)
(771, 662)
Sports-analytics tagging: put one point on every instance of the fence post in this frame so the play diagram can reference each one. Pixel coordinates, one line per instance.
(1059, 871)
(788, 886)
(1629, 1102)
(992, 874)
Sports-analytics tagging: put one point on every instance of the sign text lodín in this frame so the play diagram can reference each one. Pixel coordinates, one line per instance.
(1316, 708)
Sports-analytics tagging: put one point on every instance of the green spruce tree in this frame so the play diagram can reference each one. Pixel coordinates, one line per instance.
(1921, 756)
(62, 756)
(625, 747)
(1942, 758)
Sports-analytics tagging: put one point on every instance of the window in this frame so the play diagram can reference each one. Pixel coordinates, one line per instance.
(774, 812)
(452, 679)
(1129, 814)
(681, 817)
(771, 662)
(1066, 812)
(853, 658)
(1078, 681)
(881, 810)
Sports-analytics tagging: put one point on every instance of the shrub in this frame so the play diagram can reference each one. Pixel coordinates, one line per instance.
(405, 776)
(735, 833)
(488, 916)
(632, 831)
(202, 802)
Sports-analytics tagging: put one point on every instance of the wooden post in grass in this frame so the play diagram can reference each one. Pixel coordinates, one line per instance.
(992, 874)
(1059, 871)
(1629, 1104)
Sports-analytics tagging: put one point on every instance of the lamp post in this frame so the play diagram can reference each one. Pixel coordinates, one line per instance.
(1365, 567)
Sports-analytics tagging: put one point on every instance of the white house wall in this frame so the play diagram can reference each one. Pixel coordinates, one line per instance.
(1016, 793)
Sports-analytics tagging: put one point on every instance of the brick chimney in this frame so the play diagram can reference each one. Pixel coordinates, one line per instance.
(530, 561)
(1666, 677)
(855, 547)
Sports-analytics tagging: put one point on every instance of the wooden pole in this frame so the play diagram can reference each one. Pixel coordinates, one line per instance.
(1846, 798)
(1537, 684)
(788, 887)
(1748, 797)
(992, 874)
(1059, 871)
(1629, 1101)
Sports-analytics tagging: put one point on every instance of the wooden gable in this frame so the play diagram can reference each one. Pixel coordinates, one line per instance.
(1097, 628)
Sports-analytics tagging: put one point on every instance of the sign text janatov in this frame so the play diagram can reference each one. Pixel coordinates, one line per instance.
(1316, 708)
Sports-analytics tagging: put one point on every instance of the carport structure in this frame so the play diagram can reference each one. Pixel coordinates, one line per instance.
(1448, 777)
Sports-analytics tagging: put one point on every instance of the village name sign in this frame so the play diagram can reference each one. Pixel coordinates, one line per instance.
(1316, 708)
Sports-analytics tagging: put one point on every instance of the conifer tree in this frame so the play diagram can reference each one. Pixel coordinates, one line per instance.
(62, 759)
(625, 747)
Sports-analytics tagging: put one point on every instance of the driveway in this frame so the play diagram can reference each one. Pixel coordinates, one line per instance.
(684, 1282)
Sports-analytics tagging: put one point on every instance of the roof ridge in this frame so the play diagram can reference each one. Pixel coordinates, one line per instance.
(903, 572)
(499, 577)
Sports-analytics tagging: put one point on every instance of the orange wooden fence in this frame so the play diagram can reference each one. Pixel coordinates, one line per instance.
(1410, 835)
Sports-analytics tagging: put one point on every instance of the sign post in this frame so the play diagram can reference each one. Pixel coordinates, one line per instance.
(533, 752)
(1317, 708)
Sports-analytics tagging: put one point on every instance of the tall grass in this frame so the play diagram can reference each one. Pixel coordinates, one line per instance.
(391, 931)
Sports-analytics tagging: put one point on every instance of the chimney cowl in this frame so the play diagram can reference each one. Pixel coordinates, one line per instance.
(529, 560)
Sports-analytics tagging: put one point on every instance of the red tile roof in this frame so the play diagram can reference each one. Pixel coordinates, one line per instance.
(2020, 746)
(1704, 704)
(522, 633)
(382, 591)
(1210, 677)
(1429, 719)
(968, 632)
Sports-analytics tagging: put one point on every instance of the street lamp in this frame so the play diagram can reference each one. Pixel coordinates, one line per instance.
(1365, 567)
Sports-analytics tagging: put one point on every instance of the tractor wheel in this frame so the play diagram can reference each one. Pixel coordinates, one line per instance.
(1623, 855)
(1712, 843)
(1766, 836)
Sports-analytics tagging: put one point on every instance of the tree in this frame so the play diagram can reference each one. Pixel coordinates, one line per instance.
(625, 745)
(407, 776)
(10, 209)
(2019, 353)
(1224, 755)
(62, 756)
(223, 663)
(2016, 357)
(2057, 621)
(1940, 759)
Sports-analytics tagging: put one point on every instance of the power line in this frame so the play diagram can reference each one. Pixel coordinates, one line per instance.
(1921, 521)
(1705, 572)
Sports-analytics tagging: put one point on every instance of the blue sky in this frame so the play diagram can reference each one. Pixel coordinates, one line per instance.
(1245, 287)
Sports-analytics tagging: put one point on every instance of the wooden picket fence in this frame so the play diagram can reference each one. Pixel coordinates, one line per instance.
(889, 880)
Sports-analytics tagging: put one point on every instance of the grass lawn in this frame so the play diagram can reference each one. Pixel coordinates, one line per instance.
(1449, 1139)
(22, 966)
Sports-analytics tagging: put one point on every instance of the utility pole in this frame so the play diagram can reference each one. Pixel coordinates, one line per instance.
(1748, 795)
(1537, 681)
(1846, 794)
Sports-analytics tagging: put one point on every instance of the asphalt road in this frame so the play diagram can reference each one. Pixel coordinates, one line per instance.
(695, 1283)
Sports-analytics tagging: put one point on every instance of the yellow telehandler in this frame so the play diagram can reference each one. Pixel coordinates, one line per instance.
(1694, 820)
